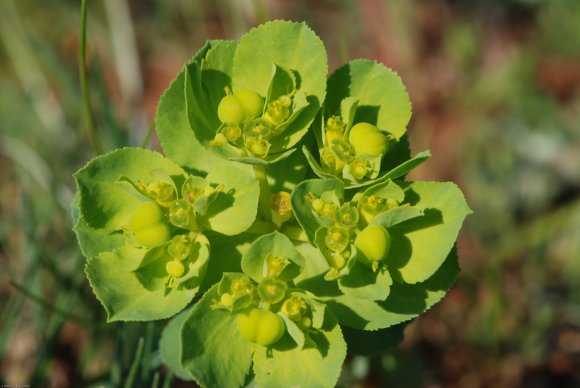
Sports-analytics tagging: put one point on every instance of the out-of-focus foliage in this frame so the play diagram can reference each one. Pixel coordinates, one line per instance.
(495, 90)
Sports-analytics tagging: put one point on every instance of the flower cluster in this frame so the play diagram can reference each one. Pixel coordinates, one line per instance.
(295, 255)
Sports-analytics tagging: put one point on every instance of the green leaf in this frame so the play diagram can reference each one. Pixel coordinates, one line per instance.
(111, 275)
(170, 346)
(405, 301)
(348, 107)
(214, 353)
(314, 165)
(175, 134)
(291, 45)
(235, 208)
(367, 343)
(407, 166)
(396, 216)
(201, 115)
(420, 245)
(386, 189)
(283, 83)
(270, 159)
(273, 244)
(296, 48)
(361, 282)
(216, 73)
(294, 331)
(286, 174)
(105, 204)
(226, 256)
(383, 99)
(301, 206)
(318, 364)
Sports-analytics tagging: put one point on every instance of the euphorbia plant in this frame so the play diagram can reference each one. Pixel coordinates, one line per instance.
(299, 257)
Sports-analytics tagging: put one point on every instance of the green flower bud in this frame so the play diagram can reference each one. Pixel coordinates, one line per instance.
(252, 103)
(272, 290)
(261, 327)
(368, 139)
(148, 225)
(373, 244)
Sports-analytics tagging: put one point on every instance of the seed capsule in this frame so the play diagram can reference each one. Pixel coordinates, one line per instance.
(252, 103)
(231, 111)
(148, 224)
(261, 327)
(373, 244)
(368, 139)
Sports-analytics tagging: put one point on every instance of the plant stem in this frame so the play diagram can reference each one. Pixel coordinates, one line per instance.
(265, 193)
(148, 135)
(89, 118)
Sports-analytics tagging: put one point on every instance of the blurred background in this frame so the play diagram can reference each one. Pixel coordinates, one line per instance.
(495, 86)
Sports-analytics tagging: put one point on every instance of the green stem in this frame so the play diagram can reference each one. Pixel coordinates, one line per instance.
(148, 134)
(90, 119)
(265, 193)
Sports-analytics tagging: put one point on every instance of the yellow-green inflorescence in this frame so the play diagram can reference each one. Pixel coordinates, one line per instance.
(354, 153)
(347, 225)
(168, 216)
(247, 124)
(261, 305)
